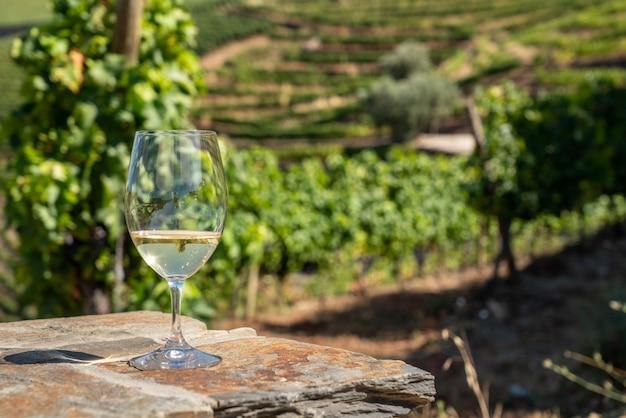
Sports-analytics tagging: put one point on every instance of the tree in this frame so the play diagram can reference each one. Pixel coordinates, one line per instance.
(412, 105)
(496, 187)
(546, 155)
(411, 98)
(69, 144)
(407, 59)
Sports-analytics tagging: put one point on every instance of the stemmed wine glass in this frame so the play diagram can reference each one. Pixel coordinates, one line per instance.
(175, 207)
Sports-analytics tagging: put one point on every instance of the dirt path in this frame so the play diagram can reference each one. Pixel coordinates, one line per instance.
(215, 59)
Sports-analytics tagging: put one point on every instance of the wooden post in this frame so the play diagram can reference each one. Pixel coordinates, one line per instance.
(252, 291)
(128, 30)
(477, 125)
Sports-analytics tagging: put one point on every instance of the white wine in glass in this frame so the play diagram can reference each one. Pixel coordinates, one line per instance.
(175, 253)
(175, 207)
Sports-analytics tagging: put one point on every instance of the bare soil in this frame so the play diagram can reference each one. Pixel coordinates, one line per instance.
(560, 303)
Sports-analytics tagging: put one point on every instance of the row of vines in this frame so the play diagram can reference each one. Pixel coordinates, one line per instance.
(338, 218)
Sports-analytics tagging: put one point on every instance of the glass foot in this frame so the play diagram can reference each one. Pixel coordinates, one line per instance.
(175, 358)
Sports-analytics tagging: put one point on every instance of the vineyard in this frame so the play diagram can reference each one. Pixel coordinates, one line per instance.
(328, 221)
(320, 105)
(383, 219)
(306, 83)
(393, 213)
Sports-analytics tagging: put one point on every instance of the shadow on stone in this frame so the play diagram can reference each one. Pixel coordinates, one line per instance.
(50, 356)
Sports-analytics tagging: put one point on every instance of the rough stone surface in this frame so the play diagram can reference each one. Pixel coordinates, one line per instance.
(47, 369)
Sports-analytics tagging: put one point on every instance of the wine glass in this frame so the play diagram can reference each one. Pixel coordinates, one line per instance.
(175, 207)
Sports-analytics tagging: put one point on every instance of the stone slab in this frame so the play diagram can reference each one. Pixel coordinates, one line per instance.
(75, 367)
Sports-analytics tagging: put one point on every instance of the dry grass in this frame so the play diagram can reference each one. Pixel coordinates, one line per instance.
(481, 393)
(613, 385)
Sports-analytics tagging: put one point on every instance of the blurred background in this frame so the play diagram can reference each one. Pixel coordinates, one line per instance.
(440, 182)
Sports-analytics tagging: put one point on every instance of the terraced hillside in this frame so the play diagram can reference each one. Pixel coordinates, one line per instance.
(302, 83)
(302, 80)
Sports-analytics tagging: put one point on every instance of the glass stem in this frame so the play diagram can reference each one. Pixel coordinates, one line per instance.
(176, 335)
